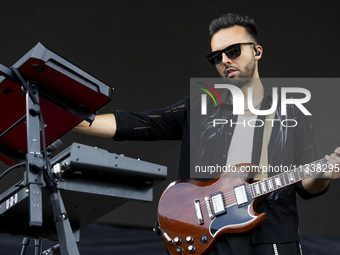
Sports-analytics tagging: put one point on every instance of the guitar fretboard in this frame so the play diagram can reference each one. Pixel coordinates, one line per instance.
(287, 178)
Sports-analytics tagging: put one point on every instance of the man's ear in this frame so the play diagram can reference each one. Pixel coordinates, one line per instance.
(258, 51)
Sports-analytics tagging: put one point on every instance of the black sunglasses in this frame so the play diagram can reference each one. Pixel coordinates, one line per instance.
(232, 51)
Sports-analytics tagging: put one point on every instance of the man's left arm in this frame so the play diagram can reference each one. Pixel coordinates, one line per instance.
(319, 183)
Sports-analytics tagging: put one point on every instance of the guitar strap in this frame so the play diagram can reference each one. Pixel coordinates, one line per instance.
(264, 151)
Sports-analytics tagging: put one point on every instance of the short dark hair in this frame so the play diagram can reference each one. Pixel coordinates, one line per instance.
(230, 20)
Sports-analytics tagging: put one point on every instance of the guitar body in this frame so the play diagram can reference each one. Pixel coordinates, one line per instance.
(193, 215)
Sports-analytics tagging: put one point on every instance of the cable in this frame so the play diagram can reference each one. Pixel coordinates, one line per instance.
(23, 118)
(24, 84)
(11, 168)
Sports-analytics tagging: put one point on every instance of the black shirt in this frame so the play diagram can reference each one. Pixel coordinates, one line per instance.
(287, 147)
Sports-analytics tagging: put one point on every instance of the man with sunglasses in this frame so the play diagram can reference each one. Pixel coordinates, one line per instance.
(235, 54)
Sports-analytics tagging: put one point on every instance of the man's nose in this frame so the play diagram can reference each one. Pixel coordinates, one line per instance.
(225, 59)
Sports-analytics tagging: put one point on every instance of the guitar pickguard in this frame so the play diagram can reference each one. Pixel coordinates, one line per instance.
(234, 217)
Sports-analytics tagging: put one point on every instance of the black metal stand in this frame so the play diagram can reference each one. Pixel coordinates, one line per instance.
(65, 234)
(37, 166)
(34, 158)
(69, 95)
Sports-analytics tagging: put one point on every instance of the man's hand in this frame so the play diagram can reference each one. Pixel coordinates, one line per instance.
(319, 182)
(333, 162)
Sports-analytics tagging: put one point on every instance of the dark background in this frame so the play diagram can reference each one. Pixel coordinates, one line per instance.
(148, 51)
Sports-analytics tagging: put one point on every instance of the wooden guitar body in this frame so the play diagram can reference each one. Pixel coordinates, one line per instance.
(193, 215)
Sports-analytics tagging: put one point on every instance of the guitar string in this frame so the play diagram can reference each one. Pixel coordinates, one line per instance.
(229, 198)
(285, 176)
(251, 187)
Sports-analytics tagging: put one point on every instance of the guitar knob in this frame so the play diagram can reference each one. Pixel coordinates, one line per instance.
(204, 238)
(191, 248)
(189, 239)
(179, 249)
(177, 240)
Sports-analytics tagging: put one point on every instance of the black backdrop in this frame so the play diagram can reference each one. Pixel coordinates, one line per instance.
(147, 51)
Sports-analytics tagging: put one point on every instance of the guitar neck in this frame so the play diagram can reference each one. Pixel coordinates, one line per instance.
(287, 178)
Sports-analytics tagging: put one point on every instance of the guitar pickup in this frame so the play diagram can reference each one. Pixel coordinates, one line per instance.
(241, 195)
(217, 202)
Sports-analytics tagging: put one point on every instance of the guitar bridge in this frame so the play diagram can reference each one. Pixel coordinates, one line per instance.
(198, 212)
(207, 205)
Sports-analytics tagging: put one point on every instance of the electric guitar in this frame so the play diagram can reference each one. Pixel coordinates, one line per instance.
(193, 215)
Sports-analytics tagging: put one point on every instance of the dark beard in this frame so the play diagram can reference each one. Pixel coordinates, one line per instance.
(245, 77)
